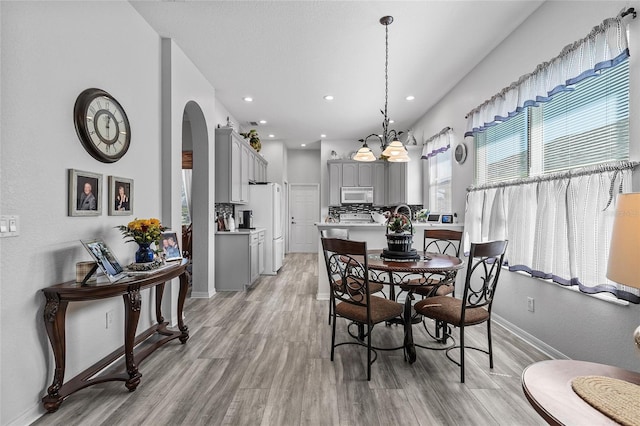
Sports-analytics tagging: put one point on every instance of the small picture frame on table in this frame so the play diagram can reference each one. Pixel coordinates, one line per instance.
(120, 196)
(84, 193)
(169, 246)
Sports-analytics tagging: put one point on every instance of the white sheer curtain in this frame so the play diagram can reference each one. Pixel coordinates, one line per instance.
(558, 226)
(605, 46)
(440, 142)
(186, 184)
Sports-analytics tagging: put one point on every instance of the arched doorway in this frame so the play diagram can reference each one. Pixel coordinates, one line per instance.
(195, 139)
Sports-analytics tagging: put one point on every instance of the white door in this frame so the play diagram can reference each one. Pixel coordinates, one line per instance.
(304, 212)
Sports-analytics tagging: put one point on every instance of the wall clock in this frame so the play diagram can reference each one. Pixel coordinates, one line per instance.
(102, 125)
(460, 153)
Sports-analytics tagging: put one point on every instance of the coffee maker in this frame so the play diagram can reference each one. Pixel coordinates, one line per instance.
(247, 219)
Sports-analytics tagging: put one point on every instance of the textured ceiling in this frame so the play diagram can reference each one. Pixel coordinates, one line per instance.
(288, 54)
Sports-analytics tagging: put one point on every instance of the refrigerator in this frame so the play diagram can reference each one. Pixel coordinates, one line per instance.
(266, 202)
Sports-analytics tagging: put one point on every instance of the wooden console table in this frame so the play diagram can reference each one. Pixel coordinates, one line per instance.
(59, 296)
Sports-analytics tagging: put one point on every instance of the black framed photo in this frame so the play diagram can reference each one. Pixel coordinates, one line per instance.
(120, 196)
(85, 193)
(170, 246)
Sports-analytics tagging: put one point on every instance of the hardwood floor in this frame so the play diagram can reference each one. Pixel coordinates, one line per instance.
(262, 358)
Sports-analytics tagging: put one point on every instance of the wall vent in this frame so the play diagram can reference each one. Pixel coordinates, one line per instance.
(253, 123)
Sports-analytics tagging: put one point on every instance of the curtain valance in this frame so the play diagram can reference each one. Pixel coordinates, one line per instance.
(438, 143)
(604, 47)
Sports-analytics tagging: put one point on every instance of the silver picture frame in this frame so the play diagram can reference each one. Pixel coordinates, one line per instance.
(84, 193)
(120, 196)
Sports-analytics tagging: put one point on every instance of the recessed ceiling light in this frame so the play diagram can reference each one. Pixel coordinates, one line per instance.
(303, 144)
(392, 121)
(272, 136)
(328, 97)
(410, 97)
(247, 99)
(263, 121)
(323, 135)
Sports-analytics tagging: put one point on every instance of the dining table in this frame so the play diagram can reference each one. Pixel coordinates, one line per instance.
(428, 269)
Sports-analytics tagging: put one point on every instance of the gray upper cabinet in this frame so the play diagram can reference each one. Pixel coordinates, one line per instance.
(396, 184)
(335, 182)
(372, 174)
(379, 183)
(236, 167)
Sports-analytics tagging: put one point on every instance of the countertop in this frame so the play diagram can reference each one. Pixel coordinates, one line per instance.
(420, 225)
(240, 232)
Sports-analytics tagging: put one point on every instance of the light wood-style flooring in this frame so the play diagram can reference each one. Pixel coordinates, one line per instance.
(262, 358)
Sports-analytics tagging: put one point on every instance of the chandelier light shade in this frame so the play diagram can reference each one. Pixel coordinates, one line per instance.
(394, 151)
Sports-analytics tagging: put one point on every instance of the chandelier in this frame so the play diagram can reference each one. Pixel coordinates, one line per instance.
(393, 151)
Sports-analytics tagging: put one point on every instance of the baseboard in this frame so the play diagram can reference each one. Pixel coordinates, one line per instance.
(201, 294)
(322, 296)
(29, 416)
(530, 339)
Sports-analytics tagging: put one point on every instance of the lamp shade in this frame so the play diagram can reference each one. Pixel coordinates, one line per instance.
(364, 154)
(394, 149)
(623, 266)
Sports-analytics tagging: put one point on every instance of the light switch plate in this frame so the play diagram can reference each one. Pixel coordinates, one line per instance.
(9, 226)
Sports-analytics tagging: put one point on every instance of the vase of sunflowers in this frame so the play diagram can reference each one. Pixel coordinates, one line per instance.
(399, 233)
(144, 232)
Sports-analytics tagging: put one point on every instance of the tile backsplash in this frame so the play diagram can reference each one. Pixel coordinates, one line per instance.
(335, 211)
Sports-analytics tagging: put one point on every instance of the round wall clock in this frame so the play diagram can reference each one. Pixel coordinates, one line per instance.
(460, 153)
(102, 125)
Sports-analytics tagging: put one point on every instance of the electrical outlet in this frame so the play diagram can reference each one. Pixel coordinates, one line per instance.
(109, 320)
(530, 305)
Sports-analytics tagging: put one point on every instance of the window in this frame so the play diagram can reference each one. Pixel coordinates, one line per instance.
(586, 125)
(439, 167)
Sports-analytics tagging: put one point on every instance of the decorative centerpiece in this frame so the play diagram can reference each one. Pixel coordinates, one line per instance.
(399, 238)
(254, 139)
(144, 232)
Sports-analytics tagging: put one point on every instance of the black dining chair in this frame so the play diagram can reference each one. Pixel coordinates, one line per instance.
(483, 271)
(343, 233)
(348, 272)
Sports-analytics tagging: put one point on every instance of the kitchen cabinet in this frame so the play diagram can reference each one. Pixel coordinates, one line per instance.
(232, 179)
(244, 172)
(238, 256)
(389, 180)
(262, 252)
(396, 184)
(260, 166)
(335, 182)
(379, 183)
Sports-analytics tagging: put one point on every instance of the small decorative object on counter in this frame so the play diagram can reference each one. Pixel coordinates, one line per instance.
(399, 238)
(422, 215)
(144, 232)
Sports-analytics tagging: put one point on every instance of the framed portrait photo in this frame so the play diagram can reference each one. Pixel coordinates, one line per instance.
(120, 196)
(85, 193)
(169, 245)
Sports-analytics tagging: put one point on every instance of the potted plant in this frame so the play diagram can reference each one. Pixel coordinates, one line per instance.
(399, 233)
(144, 232)
(254, 139)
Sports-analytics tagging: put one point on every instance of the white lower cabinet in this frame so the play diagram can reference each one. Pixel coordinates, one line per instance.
(262, 253)
(239, 258)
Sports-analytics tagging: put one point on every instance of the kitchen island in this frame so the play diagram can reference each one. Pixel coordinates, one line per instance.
(240, 256)
(374, 234)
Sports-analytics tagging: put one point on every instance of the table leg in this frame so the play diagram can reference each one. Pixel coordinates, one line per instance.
(54, 321)
(410, 348)
(182, 295)
(132, 304)
(159, 294)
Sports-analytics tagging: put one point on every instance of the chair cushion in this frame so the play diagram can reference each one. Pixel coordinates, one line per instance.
(427, 290)
(449, 309)
(381, 310)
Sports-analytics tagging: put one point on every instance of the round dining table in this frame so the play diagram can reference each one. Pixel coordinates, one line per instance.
(395, 272)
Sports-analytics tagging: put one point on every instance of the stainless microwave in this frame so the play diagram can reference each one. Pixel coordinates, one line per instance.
(356, 195)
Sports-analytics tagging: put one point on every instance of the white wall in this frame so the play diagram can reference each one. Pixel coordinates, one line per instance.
(303, 166)
(46, 62)
(573, 324)
(276, 154)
